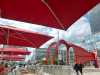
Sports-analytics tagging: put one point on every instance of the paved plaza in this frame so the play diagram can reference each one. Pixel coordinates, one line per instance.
(55, 70)
(85, 73)
(90, 73)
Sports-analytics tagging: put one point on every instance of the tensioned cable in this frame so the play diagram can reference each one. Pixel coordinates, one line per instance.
(0, 13)
(23, 38)
(53, 13)
(8, 33)
(27, 39)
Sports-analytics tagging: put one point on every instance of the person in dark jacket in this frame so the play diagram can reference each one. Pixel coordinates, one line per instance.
(78, 68)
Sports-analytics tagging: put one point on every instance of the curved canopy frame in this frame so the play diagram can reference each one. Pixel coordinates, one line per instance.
(12, 58)
(14, 51)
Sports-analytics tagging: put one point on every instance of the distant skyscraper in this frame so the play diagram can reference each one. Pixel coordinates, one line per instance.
(94, 18)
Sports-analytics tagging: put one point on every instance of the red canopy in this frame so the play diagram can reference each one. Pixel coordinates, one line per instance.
(53, 13)
(14, 51)
(12, 58)
(19, 37)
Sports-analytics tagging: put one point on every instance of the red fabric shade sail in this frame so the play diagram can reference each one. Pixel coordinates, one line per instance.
(53, 13)
(14, 51)
(19, 37)
(12, 58)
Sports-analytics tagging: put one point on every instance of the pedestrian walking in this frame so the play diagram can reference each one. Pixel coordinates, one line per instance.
(78, 68)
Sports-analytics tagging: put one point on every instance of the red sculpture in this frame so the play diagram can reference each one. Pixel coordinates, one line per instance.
(79, 53)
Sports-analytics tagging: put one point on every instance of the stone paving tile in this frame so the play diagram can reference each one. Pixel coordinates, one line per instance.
(89, 73)
(29, 74)
(92, 73)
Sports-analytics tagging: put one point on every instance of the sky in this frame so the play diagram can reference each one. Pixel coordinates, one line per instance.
(78, 33)
(78, 30)
(75, 34)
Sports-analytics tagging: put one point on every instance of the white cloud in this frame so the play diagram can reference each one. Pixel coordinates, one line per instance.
(78, 30)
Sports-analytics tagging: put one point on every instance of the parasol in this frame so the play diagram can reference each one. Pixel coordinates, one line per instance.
(14, 51)
(53, 13)
(19, 37)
